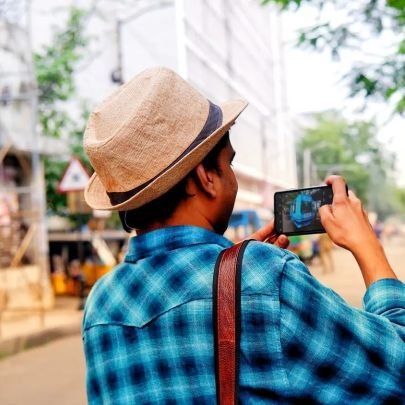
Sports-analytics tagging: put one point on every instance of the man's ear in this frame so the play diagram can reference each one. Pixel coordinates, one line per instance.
(205, 180)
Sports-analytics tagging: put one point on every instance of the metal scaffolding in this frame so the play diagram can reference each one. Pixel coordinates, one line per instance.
(24, 277)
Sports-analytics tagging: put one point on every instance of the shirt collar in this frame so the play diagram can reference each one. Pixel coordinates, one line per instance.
(170, 238)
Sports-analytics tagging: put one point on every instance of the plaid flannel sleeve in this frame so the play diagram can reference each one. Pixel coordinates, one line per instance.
(337, 353)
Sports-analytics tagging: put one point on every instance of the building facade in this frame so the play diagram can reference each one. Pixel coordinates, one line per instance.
(227, 49)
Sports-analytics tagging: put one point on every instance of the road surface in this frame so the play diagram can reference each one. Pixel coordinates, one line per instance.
(52, 374)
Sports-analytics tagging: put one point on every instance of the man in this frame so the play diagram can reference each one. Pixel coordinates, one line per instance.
(162, 158)
(325, 253)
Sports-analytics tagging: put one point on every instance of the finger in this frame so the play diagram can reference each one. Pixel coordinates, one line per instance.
(330, 179)
(325, 210)
(278, 240)
(339, 188)
(282, 241)
(355, 201)
(263, 233)
(325, 213)
(352, 197)
(271, 239)
(352, 194)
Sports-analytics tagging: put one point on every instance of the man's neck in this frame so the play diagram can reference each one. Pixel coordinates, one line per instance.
(186, 214)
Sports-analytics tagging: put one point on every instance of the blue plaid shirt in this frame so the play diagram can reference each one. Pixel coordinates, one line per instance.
(148, 335)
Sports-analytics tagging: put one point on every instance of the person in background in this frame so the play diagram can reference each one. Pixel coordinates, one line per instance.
(162, 156)
(325, 253)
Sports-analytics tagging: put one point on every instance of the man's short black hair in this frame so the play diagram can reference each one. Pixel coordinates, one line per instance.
(163, 207)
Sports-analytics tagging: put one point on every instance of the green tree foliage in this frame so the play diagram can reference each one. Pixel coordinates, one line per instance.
(400, 201)
(380, 77)
(55, 67)
(353, 151)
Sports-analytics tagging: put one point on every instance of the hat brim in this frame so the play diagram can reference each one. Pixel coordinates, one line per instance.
(97, 197)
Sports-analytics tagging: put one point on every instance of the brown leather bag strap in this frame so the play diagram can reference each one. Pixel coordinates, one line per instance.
(226, 319)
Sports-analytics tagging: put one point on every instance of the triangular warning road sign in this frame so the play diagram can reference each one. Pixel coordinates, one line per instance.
(75, 177)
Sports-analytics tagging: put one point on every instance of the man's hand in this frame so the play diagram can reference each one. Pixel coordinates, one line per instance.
(348, 226)
(267, 234)
(345, 220)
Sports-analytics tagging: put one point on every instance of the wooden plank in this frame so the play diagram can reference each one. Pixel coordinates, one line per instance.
(24, 246)
(24, 163)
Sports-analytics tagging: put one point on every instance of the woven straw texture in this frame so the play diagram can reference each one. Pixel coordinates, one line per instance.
(141, 129)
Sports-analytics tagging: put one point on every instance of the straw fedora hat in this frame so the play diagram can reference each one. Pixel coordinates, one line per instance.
(148, 135)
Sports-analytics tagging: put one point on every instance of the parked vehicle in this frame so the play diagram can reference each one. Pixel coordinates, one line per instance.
(302, 210)
(242, 224)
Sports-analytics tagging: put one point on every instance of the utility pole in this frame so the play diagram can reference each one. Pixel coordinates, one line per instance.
(38, 184)
(117, 75)
(307, 167)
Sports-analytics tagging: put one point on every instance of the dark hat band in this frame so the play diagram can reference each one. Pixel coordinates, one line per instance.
(213, 122)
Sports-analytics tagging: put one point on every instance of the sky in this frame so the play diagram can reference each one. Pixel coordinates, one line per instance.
(314, 84)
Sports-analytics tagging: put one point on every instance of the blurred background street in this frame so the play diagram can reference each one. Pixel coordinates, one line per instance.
(347, 281)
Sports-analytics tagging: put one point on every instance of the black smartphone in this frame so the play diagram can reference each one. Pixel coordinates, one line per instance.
(296, 211)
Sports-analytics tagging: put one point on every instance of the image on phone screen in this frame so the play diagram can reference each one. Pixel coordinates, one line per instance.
(296, 212)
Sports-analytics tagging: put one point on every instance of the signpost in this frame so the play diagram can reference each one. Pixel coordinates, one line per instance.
(74, 178)
(73, 182)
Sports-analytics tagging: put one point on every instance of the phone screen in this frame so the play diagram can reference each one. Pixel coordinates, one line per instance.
(296, 211)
